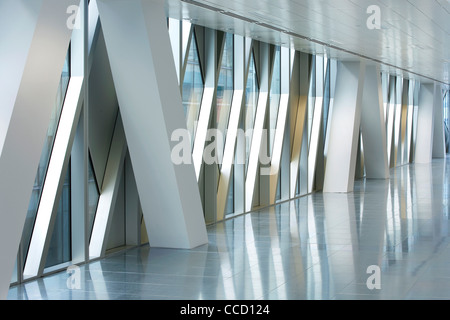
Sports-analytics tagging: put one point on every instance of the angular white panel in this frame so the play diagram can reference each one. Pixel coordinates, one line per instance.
(345, 124)
(438, 134)
(373, 127)
(150, 104)
(108, 192)
(30, 108)
(54, 180)
(425, 122)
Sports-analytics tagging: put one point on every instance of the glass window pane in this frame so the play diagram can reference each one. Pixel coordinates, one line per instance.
(311, 95)
(225, 87)
(45, 156)
(60, 244)
(230, 199)
(192, 89)
(93, 195)
(251, 101)
(275, 91)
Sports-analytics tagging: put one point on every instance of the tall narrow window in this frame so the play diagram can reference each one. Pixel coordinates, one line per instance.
(311, 96)
(326, 97)
(60, 243)
(230, 198)
(93, 194)
(251, 101)
(192, 89)
(225, 87)
(275, 91)
(45, 156)
(446, 119)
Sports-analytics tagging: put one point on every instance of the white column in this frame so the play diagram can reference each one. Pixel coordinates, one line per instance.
(438, 135)
(28, 105)
(425, 119)
(373, 126)
(344, 126)
(144, 74)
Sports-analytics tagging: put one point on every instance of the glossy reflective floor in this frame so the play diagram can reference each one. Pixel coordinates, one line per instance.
(388, 235)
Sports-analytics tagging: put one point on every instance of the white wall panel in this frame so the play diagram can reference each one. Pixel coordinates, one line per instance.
(30, 106)
(150, 105)
(345, 124)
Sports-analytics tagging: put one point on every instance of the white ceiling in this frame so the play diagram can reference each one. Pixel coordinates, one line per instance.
(414, 38)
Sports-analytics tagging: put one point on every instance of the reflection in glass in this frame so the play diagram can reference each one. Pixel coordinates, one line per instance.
(45, 157)
(192, 89)
(225, 87)
(251, 101)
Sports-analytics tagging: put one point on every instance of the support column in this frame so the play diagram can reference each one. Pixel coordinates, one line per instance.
(28, 107)
(144, 74)
(438, 128)
(373, 127)
(425, 120)
(345, 123)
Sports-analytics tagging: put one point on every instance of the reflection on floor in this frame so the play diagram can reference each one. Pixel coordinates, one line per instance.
(389, 239)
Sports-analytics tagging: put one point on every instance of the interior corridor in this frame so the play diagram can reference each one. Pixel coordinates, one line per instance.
(389, 239)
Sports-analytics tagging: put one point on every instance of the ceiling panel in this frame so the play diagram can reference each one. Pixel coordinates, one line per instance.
(414, 39)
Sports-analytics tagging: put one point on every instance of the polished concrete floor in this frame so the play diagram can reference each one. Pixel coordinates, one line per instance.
(389, 239)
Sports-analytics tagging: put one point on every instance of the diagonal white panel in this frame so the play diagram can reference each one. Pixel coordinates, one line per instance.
(108, 193)
(30, 108)
(54, 180)
(16, 34)
(390, 118)
(286, 70)
(404, 122)
(373, 127)
(206, 107)
(300, 121)
(438, 134)
(144, 74)
(257, 135)
(317, 120)
(396, 156)
(409, 121)
(345, 124)
(425, 122)
(233, 124)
